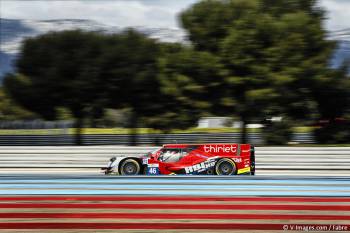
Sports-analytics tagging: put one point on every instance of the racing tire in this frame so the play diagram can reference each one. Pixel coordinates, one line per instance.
(225, 167)
(130, 167)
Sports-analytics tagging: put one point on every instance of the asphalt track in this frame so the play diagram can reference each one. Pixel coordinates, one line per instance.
(174, 185)
(85, 203)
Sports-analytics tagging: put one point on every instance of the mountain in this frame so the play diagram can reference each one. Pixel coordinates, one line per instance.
(14, 31)
(6, 63)
(342, 52)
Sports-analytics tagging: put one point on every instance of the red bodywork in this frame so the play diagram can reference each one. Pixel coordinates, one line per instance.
(200, 158)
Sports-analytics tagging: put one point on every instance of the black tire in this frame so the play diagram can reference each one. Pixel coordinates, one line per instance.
(225, 167)
(130, 167)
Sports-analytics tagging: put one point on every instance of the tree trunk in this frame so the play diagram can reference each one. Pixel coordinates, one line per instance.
(78, 131)
(133, 129)
(244, 136)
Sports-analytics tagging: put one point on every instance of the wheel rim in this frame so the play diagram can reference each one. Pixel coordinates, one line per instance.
(130, 168)
(226, 168)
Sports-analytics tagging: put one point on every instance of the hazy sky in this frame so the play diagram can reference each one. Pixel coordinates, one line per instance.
(126, 13)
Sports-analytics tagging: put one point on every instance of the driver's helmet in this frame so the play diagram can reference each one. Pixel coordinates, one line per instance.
(170, 156)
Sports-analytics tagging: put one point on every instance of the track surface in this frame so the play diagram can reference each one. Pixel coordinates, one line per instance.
(68, 203)
(174, 185)
(59, 189)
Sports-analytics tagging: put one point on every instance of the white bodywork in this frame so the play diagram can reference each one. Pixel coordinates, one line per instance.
(115, 164)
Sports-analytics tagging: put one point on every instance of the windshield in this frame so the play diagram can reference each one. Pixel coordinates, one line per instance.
(152, 152)
(171, 155)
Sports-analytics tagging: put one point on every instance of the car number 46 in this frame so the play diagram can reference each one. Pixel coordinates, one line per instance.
(153, 170)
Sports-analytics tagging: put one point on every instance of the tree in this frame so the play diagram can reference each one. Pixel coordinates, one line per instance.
(176, 107)
(333, 101)
(272, 53)
(130, 66)
(85, 72)
(9, 110)
(191, 77)
(332, 94)
(59, 69)
(149, 72)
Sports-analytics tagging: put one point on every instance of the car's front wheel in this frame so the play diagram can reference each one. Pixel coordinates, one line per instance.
(225, 167)
(130, 167)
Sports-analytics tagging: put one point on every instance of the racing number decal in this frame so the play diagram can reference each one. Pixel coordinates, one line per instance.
(153, 169)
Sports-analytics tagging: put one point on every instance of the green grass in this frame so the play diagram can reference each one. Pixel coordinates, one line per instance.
(29, 131)
(67, 131)
(303, 129)
(213, 130)
(126, 131)
(113, 131)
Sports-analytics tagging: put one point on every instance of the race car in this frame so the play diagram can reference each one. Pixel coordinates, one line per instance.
(188, 159)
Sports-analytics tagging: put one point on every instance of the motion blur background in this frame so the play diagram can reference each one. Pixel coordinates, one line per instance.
(151, 72)
(113, 73)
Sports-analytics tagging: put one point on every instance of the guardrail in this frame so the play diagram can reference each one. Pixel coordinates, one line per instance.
(142, 139)
(269, 160)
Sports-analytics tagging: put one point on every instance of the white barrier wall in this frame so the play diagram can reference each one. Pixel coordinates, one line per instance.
(269, 160)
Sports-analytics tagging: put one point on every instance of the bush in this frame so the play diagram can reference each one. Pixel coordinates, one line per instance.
(277, 133)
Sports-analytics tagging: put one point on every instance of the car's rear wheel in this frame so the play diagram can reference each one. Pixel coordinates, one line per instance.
(130, 167)
(225, 167)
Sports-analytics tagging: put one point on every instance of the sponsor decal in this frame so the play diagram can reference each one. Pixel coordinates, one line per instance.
(243, 170)
(237, 160)
(220, 149)
(145, 161)
(200, 167)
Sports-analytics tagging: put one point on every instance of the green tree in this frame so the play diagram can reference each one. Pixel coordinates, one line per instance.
(59, 69)
(176, 107)
(332, 94)
(130, 67)
(143, 78)
(9, 110)
(333, 101)
(273, 54)
(191, 78)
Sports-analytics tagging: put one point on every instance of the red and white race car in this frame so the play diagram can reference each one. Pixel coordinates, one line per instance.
(192, 159)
